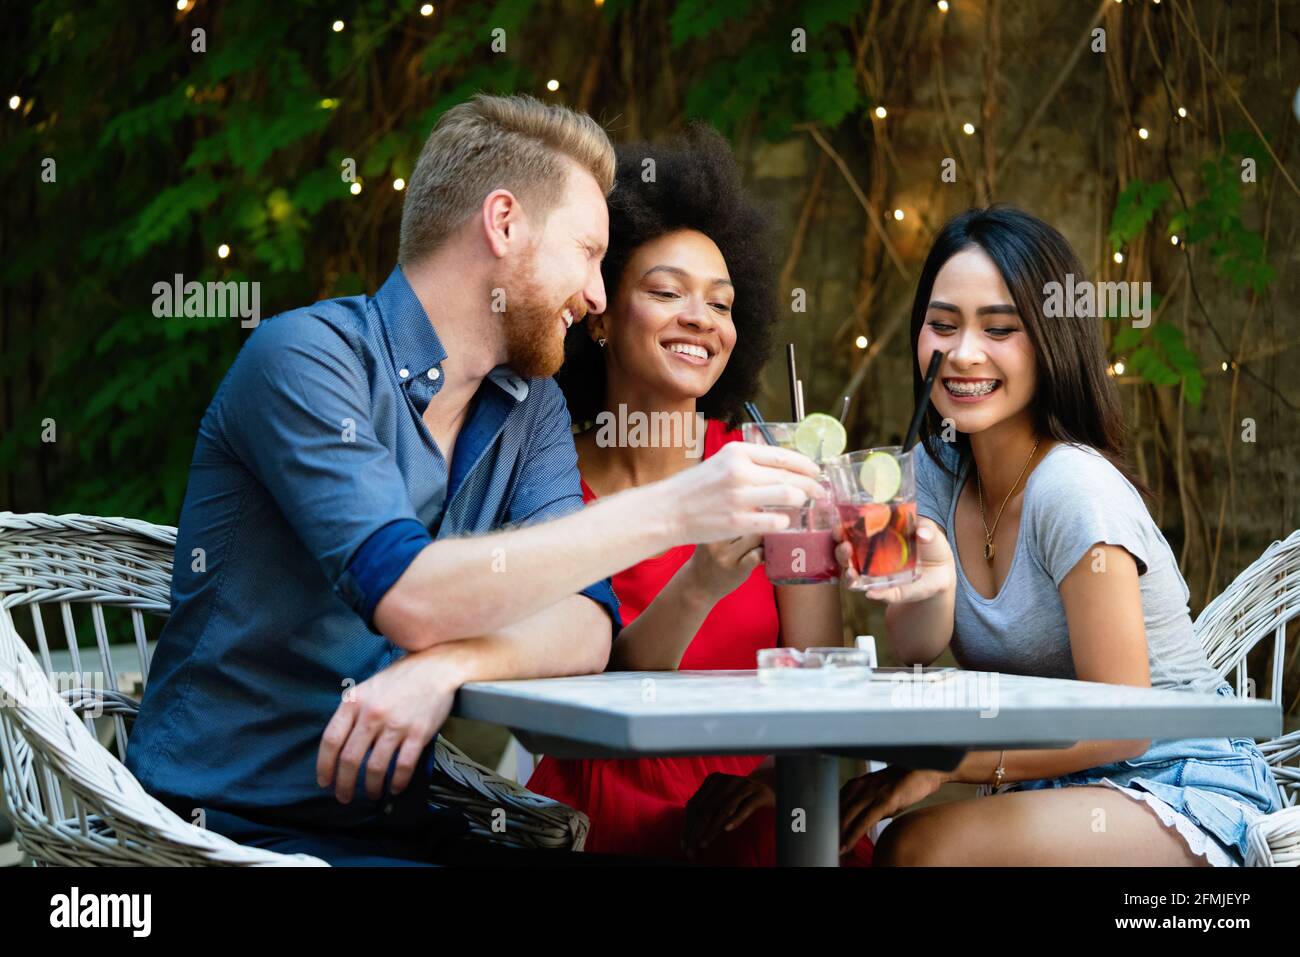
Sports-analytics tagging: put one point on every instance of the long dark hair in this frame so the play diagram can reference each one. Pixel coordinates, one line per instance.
(1075, 399)
(696, 186)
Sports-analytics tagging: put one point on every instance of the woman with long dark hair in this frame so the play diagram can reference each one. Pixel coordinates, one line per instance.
(1038, 556)
(692, 303)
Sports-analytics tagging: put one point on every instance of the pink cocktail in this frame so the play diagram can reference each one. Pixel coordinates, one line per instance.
(800, 556)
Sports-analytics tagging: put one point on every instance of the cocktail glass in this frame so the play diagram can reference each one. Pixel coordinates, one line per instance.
(875, 495)
(804, 552)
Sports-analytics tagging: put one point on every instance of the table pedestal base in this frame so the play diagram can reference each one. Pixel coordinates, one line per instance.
(807, 811)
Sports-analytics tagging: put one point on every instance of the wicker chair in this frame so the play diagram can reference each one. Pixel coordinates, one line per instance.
(1260, 602)
(72, 802)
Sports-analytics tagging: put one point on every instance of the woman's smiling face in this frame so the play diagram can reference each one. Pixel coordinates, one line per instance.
(988, 375)
(670, 324)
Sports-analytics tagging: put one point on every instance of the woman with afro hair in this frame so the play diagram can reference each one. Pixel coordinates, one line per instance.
(692, 305)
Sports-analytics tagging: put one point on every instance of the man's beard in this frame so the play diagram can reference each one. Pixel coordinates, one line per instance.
(533, 348)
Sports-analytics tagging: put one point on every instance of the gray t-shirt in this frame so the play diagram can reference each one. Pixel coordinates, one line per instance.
(1073, 499)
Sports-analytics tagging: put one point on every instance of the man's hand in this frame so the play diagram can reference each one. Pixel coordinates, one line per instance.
(720, 499)
(867, 800)
(399, 709)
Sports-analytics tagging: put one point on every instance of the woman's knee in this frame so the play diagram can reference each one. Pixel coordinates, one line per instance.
(909, 841)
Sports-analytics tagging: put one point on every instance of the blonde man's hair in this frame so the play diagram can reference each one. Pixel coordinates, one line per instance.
(497, 142)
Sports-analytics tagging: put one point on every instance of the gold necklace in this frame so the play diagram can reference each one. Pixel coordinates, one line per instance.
(988, 535)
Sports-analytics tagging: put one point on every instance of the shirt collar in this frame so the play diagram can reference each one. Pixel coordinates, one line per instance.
(414, 344)
(515, 386)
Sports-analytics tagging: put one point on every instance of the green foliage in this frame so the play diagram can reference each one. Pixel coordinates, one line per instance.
(1160, 353)
(1135, 208)
(696, 19)
(1215, 218)
(165, 153)
(766, 77)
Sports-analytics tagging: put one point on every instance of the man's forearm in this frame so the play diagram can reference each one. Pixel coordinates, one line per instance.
(571, 637)
(458, 588)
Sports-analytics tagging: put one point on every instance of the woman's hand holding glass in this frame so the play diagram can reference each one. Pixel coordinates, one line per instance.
(934, 561)
(719, 568)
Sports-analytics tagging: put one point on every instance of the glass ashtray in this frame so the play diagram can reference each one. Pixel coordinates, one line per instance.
(825, 664)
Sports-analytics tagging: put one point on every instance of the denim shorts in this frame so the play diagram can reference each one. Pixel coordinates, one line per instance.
(1223, 785)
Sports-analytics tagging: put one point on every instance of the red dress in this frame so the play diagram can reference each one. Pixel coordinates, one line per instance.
(637, 805)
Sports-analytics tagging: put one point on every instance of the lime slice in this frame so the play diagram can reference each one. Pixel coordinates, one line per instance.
(820, 433)
(880, 476)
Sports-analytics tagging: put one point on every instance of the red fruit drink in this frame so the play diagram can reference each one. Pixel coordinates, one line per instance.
(883, 538)
(800, 557)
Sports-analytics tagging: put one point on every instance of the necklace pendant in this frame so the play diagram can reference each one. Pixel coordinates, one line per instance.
(988, 551)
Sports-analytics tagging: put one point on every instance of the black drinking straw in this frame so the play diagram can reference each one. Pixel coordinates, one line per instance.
(758, 419)
(923, 401)
(794, 382)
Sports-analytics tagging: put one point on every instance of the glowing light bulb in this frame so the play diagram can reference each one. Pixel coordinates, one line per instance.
(968, 129)
(1118, 257)
(898, 214)
(1182, 111)
(1119, 368)
(860, 342)
(355, 188)
(399, 184)
(1143, 133)
(881, 112)
(426, 10)
(943, 6)
(223, 251)
(182, 4)
(1224, 367)
(1173, 240)
(15, 102)
(338, 26)
(552, 85)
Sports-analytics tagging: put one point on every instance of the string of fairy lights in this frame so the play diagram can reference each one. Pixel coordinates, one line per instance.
(881, 113)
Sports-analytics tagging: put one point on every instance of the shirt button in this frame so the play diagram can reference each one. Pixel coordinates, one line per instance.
(403, 373)
(434, 373)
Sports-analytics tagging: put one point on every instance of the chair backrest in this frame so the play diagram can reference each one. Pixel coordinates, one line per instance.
(72, 801)
(1261, 601)
(69, 560)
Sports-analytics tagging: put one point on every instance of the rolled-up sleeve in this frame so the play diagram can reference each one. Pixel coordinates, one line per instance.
(549, 486)
(295, 411)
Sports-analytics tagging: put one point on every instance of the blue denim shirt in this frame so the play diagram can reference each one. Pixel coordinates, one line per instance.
(314, 483)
